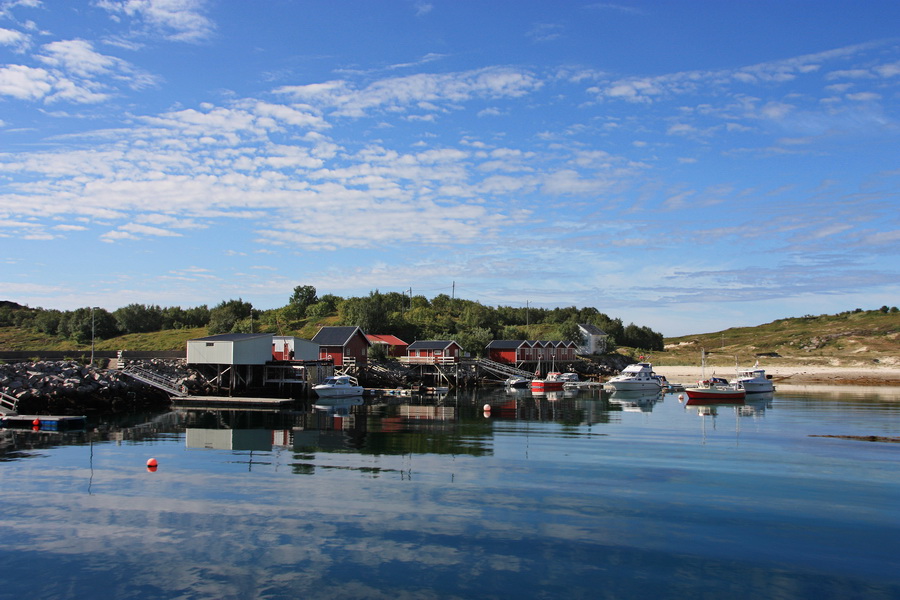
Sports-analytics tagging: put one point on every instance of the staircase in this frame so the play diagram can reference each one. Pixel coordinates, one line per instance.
(502, 369)
(156, 380)
(8, 404)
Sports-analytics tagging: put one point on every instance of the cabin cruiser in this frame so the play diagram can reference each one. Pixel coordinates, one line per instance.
(754, 380)
(338, 386)
(636, 377)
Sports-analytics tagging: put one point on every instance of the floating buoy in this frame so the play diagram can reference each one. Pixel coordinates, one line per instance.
(680, 397)
(487, 408)
(152, 463)
(36, 422)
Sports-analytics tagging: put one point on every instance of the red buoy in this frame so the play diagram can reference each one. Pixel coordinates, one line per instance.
(152, 463)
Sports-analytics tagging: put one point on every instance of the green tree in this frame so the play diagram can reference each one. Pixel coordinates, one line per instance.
(303, 297)
(230, 316)
(570, 332)
(138, 318)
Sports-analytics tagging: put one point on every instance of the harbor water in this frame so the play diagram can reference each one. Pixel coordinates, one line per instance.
(565, 495)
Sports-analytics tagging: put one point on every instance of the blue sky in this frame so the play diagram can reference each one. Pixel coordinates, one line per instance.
(690, 166)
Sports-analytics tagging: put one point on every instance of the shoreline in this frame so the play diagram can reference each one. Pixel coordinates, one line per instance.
(800, 375)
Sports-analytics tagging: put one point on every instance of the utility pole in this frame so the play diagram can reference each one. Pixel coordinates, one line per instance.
(92, 334)
(453, 292)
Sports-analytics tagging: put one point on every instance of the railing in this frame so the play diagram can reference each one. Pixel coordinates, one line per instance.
(8, 403)
(502, 369)
(429, 360)
(156, 380)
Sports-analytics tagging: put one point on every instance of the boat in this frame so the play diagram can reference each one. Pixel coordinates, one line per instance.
(754, 380)
(517, 382)
(636, 377)
(715, 390)
(338, 386)
(553, 382)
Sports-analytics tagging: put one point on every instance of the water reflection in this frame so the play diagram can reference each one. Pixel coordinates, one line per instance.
(636, 400)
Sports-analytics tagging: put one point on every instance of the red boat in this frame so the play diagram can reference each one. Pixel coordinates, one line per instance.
(715, 391)
(553, 382)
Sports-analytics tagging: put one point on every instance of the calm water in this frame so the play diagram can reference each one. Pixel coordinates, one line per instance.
(567, 497)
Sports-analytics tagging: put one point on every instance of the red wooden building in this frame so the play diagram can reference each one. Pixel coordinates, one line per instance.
(431, 352)
(342, 345)
(395, 346)
(531, 351)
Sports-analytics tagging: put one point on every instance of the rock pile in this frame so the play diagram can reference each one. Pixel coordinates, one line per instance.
(37, 385)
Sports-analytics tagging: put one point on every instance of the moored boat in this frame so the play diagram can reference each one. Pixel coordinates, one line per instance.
(715, 390)
(754, 380)
(553, 382)
(639, 376)
(338, 386)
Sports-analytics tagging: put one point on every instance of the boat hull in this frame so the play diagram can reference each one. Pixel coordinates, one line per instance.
(633, 386)
(719, 396)
(539, 385)
(753, 387)
(338, 392)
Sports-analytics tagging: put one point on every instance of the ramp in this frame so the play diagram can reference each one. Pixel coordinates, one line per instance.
(156, 380)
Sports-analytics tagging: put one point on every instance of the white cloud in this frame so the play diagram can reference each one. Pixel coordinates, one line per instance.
(412, 90)
(177, 20)
(25, 83)
(20, 42)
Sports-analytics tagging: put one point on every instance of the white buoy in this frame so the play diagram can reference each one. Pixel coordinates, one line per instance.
(487, 408)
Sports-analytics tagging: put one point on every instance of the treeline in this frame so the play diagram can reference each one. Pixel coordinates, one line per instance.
(472, 324)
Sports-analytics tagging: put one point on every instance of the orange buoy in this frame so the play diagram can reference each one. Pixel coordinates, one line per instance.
(152, 463)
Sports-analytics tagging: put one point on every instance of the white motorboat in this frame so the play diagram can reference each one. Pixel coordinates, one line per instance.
(338, 386)
(518, 382)
(636, 377)
(754, 380)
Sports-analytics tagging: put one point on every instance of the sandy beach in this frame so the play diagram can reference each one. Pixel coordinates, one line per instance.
(789, 375)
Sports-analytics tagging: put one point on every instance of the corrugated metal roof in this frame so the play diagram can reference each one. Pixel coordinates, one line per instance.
(335, 336)
(431, 345)
(392, 340)
(505, 344)
(591, 329)
(231, 337)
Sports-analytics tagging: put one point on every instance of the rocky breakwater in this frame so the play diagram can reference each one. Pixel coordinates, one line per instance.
(69, 387)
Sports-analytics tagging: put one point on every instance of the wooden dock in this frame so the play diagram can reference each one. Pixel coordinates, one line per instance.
(43, 422)
(229, 402)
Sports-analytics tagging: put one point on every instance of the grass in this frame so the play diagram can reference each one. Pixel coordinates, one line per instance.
(850, 339)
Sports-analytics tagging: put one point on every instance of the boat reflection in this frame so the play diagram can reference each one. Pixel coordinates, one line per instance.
(636, 400)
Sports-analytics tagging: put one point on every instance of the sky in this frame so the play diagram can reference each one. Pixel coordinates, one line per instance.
(688, 166)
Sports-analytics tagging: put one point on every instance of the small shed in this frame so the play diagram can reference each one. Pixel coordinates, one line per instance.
(594, 339)
(393, 345)
(342, 345)
(433, 352)
(230, 349)
(293, 348)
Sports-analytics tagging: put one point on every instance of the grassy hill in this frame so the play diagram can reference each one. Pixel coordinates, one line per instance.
(850, 339)
(862, 338)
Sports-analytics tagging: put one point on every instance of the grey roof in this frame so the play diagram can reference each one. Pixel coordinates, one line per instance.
(336, 336)
(505, 344)
(231, 337)
(591, 329)
(431, 345)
